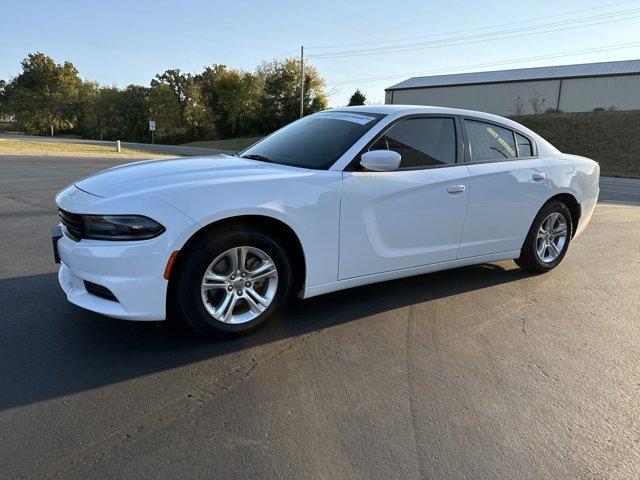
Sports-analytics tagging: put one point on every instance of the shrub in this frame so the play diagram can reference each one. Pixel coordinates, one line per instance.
(610, 138)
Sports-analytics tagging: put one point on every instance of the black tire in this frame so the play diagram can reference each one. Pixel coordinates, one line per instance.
(529, 259)
(187, 300)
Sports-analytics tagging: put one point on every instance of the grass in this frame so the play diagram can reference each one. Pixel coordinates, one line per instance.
(232, 144)
(27, 147)
(610, 138)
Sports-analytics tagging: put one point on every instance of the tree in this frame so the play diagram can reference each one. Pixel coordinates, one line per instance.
(2, 98)
(165, 109)
(234, 99)
(186, 116)
(42, 96)
(85, 109)
(357, 98)
(110, 113)
(281, 96)
(198, 115)
(179, 85)
(518, 106)
(119, 114)
(537, 102)
(218, 102)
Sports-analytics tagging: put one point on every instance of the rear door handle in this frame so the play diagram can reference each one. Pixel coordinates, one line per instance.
(455, 188)
(538, 177)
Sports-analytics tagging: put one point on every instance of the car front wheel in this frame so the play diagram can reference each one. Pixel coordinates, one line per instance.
(232, 281)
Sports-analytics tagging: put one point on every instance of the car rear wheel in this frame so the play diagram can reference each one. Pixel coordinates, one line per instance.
(548, 239)
(232, 281)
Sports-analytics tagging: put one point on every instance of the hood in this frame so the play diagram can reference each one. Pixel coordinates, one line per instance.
(158, 174)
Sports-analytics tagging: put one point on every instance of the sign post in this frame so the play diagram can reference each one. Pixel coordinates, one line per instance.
(152, 128)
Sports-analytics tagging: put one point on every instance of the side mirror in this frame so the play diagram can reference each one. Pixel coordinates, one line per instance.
(380, 160)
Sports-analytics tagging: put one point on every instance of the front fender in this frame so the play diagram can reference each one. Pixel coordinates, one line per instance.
(309, 206)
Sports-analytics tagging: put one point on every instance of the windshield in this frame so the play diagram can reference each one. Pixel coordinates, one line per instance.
(316, 141)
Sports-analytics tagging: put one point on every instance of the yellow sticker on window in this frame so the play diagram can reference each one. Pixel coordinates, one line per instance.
(501, 141)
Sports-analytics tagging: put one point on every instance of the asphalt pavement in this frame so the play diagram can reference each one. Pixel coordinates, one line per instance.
(478, 372)
(620, 190)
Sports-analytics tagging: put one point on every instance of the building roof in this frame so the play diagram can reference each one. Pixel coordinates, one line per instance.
(523, 74)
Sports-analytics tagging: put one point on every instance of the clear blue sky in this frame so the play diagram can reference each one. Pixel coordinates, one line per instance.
(121, 42)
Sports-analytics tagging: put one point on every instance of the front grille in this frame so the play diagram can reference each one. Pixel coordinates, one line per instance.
(72, 223)
(99, 291)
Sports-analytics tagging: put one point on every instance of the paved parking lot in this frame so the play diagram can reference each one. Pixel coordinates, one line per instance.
(479, 372)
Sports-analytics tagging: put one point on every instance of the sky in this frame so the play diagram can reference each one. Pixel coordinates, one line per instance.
(123, 42)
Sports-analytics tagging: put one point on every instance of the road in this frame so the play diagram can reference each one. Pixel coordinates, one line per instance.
(479, 372)
(165, 149)
(621, 190)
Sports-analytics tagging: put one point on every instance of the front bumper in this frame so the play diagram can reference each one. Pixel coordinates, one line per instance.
(133, 271)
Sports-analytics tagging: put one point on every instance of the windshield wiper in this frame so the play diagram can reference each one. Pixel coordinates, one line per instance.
(262, 158)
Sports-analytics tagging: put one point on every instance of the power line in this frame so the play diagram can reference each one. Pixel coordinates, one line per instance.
(489, 64)
(470, 39)
(610, 17)
(288, 52)
(500, 33)
(474, 29)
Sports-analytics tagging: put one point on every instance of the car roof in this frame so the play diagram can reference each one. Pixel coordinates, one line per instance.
(413, 109)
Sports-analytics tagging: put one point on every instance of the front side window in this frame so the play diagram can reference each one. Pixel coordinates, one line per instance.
(421, 142)
(316, 141)
(490, 142)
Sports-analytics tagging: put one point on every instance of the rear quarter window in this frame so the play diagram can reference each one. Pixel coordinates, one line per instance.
(525, 148)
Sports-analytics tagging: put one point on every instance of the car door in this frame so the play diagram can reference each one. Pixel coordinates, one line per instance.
(411, 216)
(508, 183)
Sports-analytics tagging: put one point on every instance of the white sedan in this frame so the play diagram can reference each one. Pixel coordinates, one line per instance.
(338, 199)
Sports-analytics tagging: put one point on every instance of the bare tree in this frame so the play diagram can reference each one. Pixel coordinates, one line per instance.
(537, 102)
(518, 106)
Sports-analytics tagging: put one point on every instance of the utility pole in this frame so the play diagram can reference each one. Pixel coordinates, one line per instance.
(301, 81)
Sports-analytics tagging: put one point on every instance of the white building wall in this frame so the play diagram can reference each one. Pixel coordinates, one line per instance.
(498, 98)
(585, 94)
(576, 95)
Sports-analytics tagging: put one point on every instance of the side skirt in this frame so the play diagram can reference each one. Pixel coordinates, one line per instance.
(405, 272)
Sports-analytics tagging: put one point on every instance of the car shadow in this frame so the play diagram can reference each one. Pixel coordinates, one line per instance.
(50, 348)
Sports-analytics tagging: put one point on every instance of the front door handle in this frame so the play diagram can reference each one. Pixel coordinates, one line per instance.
(538, 177)
(455, 188)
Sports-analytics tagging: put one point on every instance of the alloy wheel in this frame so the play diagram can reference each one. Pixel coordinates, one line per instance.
(239, 285)
(551, 237)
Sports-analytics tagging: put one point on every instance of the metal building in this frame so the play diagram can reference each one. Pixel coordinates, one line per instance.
(570, 88)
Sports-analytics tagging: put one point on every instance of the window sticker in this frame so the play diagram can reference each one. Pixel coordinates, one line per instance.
(501, 141)
(348, 117)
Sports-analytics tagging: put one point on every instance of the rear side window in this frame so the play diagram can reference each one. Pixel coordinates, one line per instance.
(422, 142)
(490, 142)
(525, 149)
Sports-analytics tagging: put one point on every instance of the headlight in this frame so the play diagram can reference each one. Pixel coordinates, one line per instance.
(120, 227)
